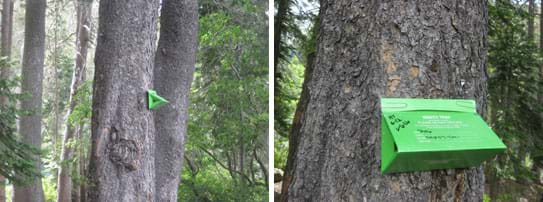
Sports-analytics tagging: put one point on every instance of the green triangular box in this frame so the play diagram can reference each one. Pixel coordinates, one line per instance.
(429, 134)
(155, 100)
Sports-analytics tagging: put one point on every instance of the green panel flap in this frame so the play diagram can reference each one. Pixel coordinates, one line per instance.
(402, 104)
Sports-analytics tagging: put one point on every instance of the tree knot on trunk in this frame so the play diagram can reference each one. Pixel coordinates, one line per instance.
(124, 153)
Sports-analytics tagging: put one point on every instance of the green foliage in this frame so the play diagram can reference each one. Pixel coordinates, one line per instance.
(486, 198)
(280, 152)
(297, 41)
(226, 147)
(514, 85)
(291, 87)
(17, 159)
(82, 111)
(213, 183)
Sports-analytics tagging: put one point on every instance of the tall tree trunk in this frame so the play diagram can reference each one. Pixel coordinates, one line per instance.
(5, 40)
(122, 162)
(531, 12)
(32, 76)
(5, 72)
(56, 101)
(541, 49)
(174, 67)
(367, 50)
(84, 11)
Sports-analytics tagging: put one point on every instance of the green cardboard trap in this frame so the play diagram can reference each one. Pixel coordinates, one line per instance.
(429, 134)
(155, 100)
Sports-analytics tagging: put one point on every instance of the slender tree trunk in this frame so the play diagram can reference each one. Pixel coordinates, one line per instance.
(77, 194)
(2, 189)
(84, 10)
(56, 101)
(83, 162)
(280, 17)
(174, 67)
(5, 40)
(368, 50)
(5, 72)
(279, 30)
(541, 49)
(262, 166)
(531, 12)
(32, 77)
(122, 162)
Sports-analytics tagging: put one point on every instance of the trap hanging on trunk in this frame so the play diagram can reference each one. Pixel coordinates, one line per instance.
(428, 134)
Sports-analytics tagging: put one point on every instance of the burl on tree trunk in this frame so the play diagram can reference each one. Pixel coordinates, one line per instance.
(367, 50)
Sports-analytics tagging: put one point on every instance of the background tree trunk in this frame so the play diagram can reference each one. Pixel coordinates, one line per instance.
(83, 13)
(83, 164)
(174, 67)
(5, 40)
(32, 76)
(531, 12)
(282, 11)
(5, 72)
(368, 50)
(122, 163)
(541, 49)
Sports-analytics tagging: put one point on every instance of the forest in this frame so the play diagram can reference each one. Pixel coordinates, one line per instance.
(75, 124)
(490, 51)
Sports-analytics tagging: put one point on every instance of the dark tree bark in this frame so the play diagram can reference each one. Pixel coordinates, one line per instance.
(174, 67)
(372, 49)
(531, 12)
(5, 72)
(84, 12)
(122, 163)
(32, 76)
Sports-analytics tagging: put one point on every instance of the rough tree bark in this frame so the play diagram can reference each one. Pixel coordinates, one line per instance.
(32, 76)
(83, 11)
(122, 163)
(372, 49)
(5, 72)
(174, 67)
